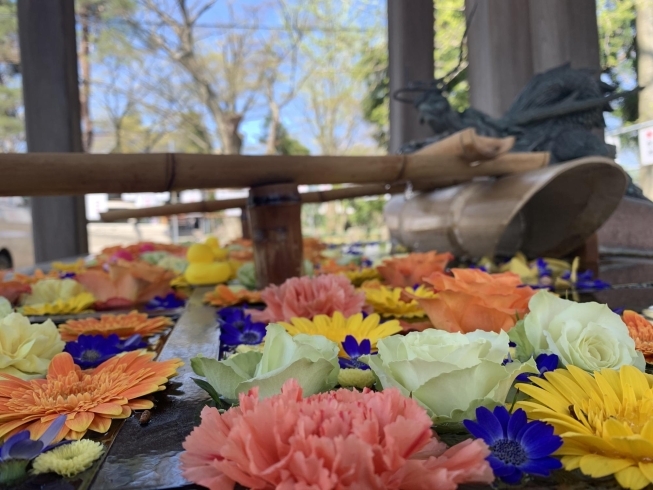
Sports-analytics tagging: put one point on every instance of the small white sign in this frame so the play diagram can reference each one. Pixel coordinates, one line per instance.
(96, 204)
(646, 146)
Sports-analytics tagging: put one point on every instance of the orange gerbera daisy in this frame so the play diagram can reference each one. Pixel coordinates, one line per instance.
(89, 398)
(225, 296)
(408, 271)
(641, 331)
(122, 325)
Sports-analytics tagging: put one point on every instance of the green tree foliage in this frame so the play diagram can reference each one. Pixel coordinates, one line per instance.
(618, 49)
(11, 123)
(285, 144)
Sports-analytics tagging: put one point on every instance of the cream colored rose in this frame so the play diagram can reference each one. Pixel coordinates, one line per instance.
(586, 335)
(27, 349)
(450, 374)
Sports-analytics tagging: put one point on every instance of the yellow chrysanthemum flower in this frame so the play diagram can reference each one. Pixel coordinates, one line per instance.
(605, 421)
(389, 302)
(358, 277)
(337, 327)
(78, 266)
(57, 297)
(70, 459)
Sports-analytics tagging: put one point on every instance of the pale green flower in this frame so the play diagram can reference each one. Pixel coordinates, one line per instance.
(586, 335)
(246, 275)
(27, 349)
(50, 290)
(69, 459)
(311, 359)
(450, 374)
(356, 378)
(5, 307)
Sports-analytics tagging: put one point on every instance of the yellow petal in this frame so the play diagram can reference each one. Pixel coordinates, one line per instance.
(647, 470)
(545, 397)
(632, 478)
(597, 466)
(631, 376)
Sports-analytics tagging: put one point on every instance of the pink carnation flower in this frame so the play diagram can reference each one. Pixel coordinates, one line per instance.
(337, 440)
(305, 297)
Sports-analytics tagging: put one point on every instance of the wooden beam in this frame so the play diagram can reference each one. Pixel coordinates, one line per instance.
(48, 50)
(39, 174)
(411, 46)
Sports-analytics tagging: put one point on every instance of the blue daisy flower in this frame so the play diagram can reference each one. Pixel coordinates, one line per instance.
(89, 351)
(517, 446)
(545, 363)
(18, 450)
(237, 328)
(585, 280)
(355, 350)
(168, 302)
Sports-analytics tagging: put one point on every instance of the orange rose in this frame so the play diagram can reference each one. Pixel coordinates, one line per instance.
(475, 300)
(411, 270)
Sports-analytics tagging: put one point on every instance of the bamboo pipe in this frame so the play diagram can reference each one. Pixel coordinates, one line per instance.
(470, 146)
(221, 205)
(39, 174)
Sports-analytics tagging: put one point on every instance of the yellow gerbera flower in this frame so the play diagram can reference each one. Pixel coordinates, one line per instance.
(391, 302)
(605, 421)
(358, 277)
(337, 327)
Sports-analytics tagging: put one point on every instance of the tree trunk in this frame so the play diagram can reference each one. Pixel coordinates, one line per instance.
(645, 77)
(271, 143)
(228, 125)
(85, 88)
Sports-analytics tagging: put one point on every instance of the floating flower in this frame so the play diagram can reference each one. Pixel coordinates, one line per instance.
(474, 300)
(304, 297)
(337, 328)
(89, 351)
(605, 420)
(70, 459)
(376, 441)
(122, 325)
(126, 284)
(227, 296)
(544, 362)
(169, 302)
(588, 335)
(5, 307)
(37, 276)
(57, 297)
(450, 374)
(90, 399)
(393, 302)
(406, 271)
(310, 359)
(18, 450)
(355, 378)
(237, 327)
(246, 275)
(359, 276)
(641, 331)
(354, 352)
(12, 290)
(26, 349)
(518, 447)
(75, 267)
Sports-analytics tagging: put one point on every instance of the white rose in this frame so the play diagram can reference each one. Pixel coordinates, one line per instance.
(450, 374)
(587, 335)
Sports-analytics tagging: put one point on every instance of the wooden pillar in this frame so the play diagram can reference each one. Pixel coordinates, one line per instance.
(275, 219)
(244, 223)
(411, 41)
(512, 40)
(52, 117)
(500, 57)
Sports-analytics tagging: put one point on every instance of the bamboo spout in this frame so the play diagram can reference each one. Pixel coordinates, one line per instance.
(39, 174)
